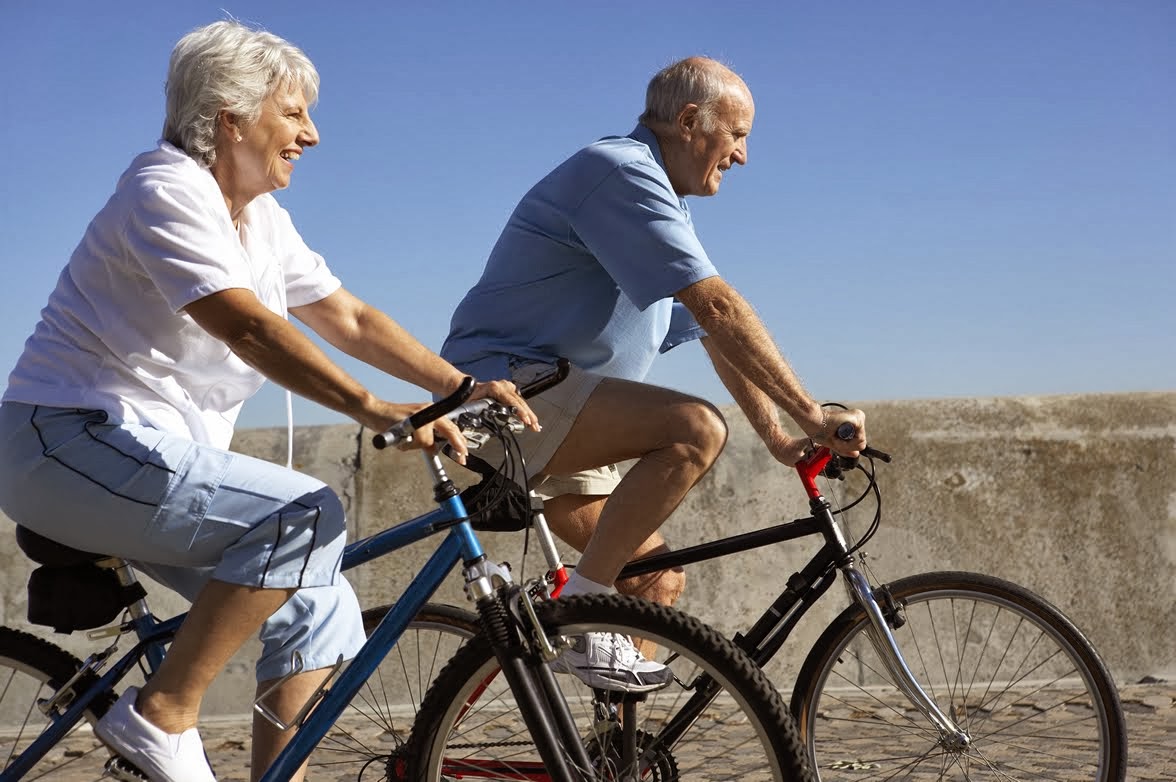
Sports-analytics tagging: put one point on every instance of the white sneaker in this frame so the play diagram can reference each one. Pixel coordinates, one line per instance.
(609, 661)
(163, 757)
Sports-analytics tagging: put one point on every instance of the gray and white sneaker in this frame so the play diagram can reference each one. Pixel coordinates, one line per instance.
(609, 661)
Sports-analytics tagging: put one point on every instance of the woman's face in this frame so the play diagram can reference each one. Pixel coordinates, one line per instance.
(263, 160)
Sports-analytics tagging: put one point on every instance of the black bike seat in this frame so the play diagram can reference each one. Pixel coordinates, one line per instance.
(44, 551)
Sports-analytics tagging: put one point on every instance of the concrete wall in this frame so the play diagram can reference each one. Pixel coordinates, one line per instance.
(1071, 496)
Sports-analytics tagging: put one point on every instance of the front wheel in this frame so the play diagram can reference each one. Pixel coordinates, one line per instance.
(469, 725)
(1008, 667)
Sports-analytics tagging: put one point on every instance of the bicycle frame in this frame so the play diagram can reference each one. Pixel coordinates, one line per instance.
(769, 633)
(461, 544)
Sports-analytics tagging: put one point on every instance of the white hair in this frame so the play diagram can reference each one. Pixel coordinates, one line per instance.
(226, 66)
(696, 80)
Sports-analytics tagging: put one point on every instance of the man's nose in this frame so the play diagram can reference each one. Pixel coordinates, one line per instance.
(740, 154)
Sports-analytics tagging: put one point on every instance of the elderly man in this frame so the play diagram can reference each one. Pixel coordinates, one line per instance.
(599, 263)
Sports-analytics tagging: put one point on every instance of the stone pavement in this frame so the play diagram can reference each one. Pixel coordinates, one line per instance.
(1150, 711)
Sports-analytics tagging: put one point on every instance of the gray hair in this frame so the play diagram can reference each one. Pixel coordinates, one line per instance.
(226, 66)
(698, 80)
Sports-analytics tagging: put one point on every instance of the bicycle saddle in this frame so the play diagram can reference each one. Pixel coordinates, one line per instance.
(44, 551)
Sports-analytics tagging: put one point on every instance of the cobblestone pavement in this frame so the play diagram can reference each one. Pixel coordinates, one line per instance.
(1150, 710)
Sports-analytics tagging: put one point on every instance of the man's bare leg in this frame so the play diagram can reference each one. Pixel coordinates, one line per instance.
(675, 439)
(573, 518)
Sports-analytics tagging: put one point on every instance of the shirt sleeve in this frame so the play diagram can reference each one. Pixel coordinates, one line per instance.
(182, 246)
(638, 231)
(308, 279)
(683, 328)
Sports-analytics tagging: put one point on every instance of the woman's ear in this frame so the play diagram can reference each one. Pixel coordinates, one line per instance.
(230, 125)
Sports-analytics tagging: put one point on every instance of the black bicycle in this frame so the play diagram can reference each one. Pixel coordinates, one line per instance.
(944, 675)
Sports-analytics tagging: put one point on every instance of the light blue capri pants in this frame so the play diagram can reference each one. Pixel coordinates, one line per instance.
(185, 513)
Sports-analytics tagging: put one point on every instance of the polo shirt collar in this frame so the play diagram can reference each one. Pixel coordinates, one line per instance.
(646, 137)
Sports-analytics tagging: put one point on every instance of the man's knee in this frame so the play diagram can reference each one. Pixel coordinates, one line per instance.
(702, 427)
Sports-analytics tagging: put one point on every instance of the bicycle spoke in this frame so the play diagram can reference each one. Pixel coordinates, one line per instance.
(1015, 682)
(720, 737)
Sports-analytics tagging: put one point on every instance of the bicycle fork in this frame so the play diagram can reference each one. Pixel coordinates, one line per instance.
(882, 639)
(541, 703)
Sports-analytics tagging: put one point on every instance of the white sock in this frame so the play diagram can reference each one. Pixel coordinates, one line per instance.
(578, 585)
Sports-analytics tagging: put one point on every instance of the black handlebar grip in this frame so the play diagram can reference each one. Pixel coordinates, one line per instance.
(381, 441)
(431, 413)
(447, 405)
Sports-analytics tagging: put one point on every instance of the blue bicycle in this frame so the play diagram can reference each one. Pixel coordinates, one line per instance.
(719, 718)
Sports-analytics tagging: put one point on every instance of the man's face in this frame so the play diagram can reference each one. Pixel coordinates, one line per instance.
(712, 150)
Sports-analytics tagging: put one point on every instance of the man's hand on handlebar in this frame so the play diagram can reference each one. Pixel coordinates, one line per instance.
(505, 392)
(844, 432)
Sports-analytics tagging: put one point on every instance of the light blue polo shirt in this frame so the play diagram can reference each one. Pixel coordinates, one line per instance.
(586, 268)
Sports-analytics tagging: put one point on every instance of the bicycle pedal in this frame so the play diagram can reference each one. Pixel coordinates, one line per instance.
(124, 770)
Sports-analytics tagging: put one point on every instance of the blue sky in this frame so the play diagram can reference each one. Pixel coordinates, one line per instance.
(942, 198)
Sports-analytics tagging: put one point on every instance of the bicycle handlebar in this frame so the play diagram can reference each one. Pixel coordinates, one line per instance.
(454, 406)
(402, 431)
(848, 431)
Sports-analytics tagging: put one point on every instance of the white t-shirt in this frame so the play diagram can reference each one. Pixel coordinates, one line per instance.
(112, 336)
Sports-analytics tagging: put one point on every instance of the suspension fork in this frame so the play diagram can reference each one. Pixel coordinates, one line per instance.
(884, 644)
(540, 702)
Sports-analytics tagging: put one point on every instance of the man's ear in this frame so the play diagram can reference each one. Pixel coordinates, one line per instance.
(687, 121)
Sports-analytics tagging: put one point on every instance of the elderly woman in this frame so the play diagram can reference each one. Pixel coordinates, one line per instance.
(169, 315)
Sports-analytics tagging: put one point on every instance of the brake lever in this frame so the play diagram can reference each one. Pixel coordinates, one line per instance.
(837, 466)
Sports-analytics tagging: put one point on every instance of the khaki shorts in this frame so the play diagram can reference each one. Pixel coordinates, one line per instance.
(557, 409)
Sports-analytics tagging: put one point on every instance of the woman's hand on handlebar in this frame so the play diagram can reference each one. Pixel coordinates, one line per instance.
(505, 392)
(424, 437)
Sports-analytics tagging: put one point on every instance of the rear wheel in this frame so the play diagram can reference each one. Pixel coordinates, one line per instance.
(469, 725)
(31, 671)
(1008, 667)
(367, 742)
